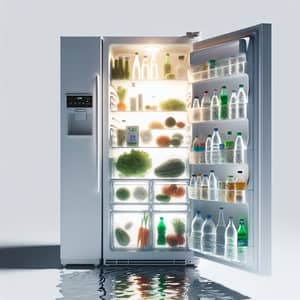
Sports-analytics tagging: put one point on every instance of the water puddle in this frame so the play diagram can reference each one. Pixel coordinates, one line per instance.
(141, 283)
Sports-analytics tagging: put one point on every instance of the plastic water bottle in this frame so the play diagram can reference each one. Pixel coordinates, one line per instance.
(208, 149)
(239, 149)
(228, 147)
(242, 101)
(224, 103)
(212, 186)
(136, 68)
(196, 148)
(231, 241)
(220, 233)
(196, 103)
(198, 184)
(204, 188)
(216, 154)
(196, 230)
(194, 115)
(205, 106)
(208, 235)
(233, 106)
(215, 106)
(193, 187)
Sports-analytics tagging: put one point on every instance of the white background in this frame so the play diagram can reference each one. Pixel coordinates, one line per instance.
(29, 121)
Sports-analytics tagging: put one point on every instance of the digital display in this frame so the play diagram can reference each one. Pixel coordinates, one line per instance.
(79, 101)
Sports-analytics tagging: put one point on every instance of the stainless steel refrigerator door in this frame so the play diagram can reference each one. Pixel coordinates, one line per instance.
(259, 154)
(80, 150)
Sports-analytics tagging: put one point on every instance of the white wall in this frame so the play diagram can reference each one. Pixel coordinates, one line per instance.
(29, 122)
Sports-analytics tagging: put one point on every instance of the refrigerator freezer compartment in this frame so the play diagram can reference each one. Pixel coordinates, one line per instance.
(224, 156)
(131, 230)
(155, 163)
(130, 192)
(236, 196)
(170, 192)
(173, 234)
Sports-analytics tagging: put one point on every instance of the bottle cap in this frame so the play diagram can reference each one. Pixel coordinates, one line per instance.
(136, 53)
(161, 218)
(212, 171)
(229, 132)
(167, 54)
(181, 57)
(221, 208)
(233, 91)
(239, 133)
(145, 56)
(240, 171)
(241, 85)
(198, 212)
(209, 135)
(216, 129)
(230, 218)
(205, 175)
(208, 216)
(205, 92)
(242, 220)
(223, 86)
(230, 176)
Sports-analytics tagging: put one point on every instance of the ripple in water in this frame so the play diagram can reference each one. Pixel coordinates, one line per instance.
(141, 283)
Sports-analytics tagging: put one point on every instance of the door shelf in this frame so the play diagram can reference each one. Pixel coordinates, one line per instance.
(237, 197)
(240, 256)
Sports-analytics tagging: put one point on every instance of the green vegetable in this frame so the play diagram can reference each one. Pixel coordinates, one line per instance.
(179, 226)
(163, 198)
(175, 142)
(122, 194)
(170, 122)
(172, 104)
(134, 163)
(122, 236)
(177, 136)
(170, 76)
(171, 168)
(121, 93)
(140, 193)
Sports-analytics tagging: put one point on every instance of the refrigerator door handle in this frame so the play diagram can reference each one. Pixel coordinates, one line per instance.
(98, 122)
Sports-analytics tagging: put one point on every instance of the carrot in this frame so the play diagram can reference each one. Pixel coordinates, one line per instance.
(140, 233)
(143, 233)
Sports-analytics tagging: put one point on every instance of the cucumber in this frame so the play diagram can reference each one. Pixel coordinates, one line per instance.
(122, 237)
(163, 198)
(171, 168)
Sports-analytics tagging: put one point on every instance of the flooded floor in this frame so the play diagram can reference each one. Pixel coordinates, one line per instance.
(141, 283)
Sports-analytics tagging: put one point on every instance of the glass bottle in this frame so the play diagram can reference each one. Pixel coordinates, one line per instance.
(167, 65)
(161, 232)
(180, 68)
(212, 186)
(126, 68)
(116, 67)
(145, 69)
(212, 70)
(224, 103)
(242, 234)
(242, 102)
(221, 227)
(136, 68)
(193, 188)
(153, 68)
(121, 68)
(208, 149)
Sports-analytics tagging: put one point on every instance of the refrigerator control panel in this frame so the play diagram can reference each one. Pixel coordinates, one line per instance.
(79, 101)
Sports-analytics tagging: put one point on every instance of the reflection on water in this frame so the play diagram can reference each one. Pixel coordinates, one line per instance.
(141, 283)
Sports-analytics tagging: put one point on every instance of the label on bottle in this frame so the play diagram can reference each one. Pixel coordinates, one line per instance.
(132, 136)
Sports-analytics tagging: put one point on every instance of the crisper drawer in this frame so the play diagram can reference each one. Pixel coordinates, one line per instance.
(131, 230)
(131, 192)
(170, 192)
(170, 230)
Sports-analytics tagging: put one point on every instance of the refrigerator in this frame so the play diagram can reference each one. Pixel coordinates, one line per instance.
(126, 155)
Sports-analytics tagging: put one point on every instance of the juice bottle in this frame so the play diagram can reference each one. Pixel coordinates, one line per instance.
(161, 232)
(240, 187)
(224, 103)
(230, 189)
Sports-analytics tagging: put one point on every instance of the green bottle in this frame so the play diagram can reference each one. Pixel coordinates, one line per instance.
(167, 65)
(121, 68)
(117, 71)
(161, 230)
(242, 234)
(224, 103)
(126, 69)
(229, 147)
